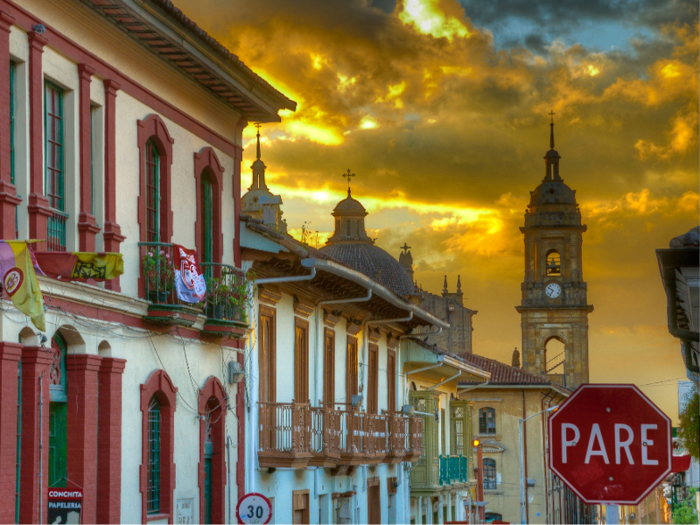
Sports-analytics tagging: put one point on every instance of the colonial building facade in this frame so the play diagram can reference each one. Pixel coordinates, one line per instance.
(120, 132)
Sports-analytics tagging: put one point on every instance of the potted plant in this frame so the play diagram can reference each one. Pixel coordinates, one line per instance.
(217, 295)
(159, 273)
(227, 297)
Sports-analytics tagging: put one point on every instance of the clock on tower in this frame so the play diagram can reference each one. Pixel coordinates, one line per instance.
(554, 310)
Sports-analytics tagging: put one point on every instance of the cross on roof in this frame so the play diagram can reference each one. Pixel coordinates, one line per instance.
(348, 176)
(551, 115)
(405, 247)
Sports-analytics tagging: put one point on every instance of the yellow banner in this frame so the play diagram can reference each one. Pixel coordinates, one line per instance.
(20, 282)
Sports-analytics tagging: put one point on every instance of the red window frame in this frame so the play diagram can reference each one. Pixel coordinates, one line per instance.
(213, 406)
(160, 386)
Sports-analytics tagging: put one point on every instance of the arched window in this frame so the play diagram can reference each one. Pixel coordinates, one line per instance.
(490, 477)
(553, 263)
(157, 472)
(58, 414)
(487, 420)
(154, 449)
(212, 459)
(554, 355)
(152, 193)
(207, 218)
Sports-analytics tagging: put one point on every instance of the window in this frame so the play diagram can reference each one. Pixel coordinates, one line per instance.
(157, 471)
(212, 454)
(152, 193)
(267, 358)
(553, 263)
(13, 69)
(301, 361)
(391, 381)
(93, 128)
(457, 428)
(487, 420)
(54, 176)
(329, 367)
(207, 219)
(373, 380)
(153, 487)
(300, 502)
(351, 367)
(490, 479)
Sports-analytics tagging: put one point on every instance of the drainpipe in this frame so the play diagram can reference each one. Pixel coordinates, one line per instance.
(319, 331)
(306, 263)
(459, 373)
(429, 367)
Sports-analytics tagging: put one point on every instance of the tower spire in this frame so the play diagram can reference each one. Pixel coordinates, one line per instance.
(257, 125)
(551, 129)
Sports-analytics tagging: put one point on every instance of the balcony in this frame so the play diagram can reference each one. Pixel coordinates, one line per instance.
(157, 285)
(285, 434)
(453, 470)
(297, 435)
(404, 439)
(227, 293)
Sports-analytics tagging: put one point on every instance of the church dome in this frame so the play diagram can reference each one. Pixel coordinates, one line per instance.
(349, 206)
(552, 192)
(375, 263)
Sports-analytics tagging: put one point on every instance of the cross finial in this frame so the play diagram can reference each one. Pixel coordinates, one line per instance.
(551, 129)
(405, 247)
(257, 125)
(348, 176)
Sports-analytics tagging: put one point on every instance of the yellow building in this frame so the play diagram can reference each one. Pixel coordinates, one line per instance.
(511, 395)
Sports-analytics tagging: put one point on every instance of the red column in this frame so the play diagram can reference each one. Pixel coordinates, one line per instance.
(9, 358)
(8, 193)
(33, 501)
(38, 204)
(87, 225)
(480, 482)
(82, 424)
(112, 231)
(109, 438)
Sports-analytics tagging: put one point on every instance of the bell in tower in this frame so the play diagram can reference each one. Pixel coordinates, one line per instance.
(554, 309)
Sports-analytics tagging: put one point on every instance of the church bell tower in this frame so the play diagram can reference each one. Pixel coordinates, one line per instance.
(554, 310)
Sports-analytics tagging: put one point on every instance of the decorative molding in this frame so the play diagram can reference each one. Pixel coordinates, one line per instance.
(302, 309)
(330, 319)
(374, 334)
(266, 310)
(269, 295)
(352, 327)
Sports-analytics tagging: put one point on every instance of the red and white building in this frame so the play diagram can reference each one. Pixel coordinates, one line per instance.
(120, 124)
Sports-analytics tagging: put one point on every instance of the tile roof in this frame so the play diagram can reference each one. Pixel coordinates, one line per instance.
(503, 374)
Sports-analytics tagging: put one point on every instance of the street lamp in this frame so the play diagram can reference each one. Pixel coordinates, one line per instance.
(522, 460)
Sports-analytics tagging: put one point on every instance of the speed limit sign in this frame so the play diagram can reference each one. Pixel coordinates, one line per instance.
(254, 508)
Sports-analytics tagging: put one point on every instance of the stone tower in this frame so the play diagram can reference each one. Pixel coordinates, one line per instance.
(259, 202)
(554, 310)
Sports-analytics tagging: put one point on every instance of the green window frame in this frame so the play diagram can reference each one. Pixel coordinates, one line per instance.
(208, 453)
(155, 419)
(13, 71)
(54, 143)
(93, 111)
(152, 192)
(58, 414)
(207, 195)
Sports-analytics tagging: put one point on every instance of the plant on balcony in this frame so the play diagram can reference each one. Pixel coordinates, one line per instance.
(159, 273)
(228, 297)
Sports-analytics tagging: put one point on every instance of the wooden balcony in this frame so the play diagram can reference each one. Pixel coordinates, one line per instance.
(285, 434)
(415, 448)
(325, 436)
(363, 438)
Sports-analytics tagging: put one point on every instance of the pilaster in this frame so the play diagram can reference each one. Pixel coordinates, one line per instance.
(10, 354)
(87, 225)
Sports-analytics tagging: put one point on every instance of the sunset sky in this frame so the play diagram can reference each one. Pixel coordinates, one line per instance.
(440, 108)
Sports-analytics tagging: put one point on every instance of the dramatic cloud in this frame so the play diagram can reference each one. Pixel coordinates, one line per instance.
(440, 108)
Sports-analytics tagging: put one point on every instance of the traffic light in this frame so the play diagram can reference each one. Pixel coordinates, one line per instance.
(476, 443)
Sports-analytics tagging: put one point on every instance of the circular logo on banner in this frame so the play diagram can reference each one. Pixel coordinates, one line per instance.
(13, 280)
(254, 508)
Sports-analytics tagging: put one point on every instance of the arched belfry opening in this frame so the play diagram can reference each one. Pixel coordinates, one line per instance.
(553, 263)
(555, 359)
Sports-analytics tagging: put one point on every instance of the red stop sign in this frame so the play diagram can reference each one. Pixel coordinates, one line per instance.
(610, 444)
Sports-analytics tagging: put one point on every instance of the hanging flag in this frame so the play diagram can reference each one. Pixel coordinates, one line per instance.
(17, 268)
(81, 266)
(189, 281)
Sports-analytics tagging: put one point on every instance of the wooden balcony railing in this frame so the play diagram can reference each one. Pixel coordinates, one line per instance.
(325, 436)
(296, 435)
(415, 449)
(399, 440)
(285, 434)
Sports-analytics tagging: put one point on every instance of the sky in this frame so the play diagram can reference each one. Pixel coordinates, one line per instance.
(440, 109)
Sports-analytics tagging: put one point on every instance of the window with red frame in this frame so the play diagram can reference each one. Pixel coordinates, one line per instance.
(152, 193)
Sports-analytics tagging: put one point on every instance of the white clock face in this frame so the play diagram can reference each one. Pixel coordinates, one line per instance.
(553, 290)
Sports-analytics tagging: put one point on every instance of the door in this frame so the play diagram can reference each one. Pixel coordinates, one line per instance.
(58, 437)
(374, 510)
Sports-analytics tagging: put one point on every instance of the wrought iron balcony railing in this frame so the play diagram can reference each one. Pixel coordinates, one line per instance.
(227, 292)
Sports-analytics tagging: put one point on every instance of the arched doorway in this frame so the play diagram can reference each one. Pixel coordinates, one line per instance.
(58, 413)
